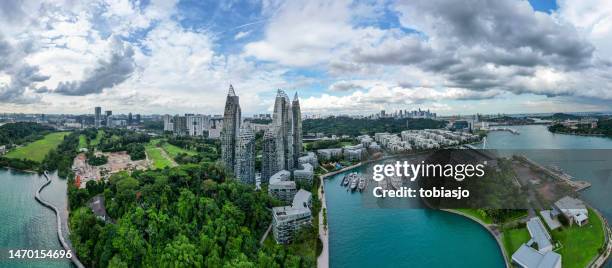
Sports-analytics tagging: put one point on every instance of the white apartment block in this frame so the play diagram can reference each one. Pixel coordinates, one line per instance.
(287, 220)
(281, 187)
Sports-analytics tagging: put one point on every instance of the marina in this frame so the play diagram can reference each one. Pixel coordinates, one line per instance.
(357, 239)
(354, 181)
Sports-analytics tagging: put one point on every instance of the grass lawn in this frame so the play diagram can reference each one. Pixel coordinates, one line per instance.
(580, 244)
(154, 153)
(96, 141)
(474, 213)
(82, 141)
(173, 151)
(36, 151)
(514, 238)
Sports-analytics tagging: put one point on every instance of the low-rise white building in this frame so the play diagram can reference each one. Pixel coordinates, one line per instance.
(538, 251)
(287, 220)
(280, 186)
(572, 209)
(305, 174)
(328, 154)
(310, 158)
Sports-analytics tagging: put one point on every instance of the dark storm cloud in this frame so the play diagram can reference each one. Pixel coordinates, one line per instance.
(108, 73)
(503, 24)
(407, 50)
(486, 46)
(23, 76)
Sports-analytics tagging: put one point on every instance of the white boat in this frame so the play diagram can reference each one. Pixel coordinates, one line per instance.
(354, 181)
(362, 183)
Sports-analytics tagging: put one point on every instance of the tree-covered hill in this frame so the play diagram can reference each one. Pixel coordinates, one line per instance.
(22, 132)
(187, 216)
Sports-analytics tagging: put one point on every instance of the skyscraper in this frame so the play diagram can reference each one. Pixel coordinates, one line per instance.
(98, 116)
(269, 165)
(297, 129)
(282, 144)
(282, 122)
(230, 130)
(244, 168)
(108, 118)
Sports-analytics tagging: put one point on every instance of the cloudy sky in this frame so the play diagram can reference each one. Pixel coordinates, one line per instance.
(160, 56)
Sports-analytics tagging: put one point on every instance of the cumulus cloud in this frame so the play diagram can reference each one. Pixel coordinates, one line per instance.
(303, 33)
(382, 94)
(441, 51)
(22, 77)
(490, 46)
(108, 73)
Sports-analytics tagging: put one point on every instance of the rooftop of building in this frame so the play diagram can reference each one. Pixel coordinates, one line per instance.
(281, 178)
(302, 198)
(281, 212)
(306, 167)
(527, 256)
(539, 235)
(570, 203)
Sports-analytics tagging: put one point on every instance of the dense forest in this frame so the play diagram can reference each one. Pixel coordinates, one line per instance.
(326, 144)
(22, 132)
(115, 140)
(511, 120)
(561, 116)
(187, 216)
(208, 150)
(156, 125)
(359, 126)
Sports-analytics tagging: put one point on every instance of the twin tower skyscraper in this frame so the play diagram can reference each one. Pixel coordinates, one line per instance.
(282, 140)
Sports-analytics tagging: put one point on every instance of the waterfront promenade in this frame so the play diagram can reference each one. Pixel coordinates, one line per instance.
(62, 223)
(323, 259)
(601, 259)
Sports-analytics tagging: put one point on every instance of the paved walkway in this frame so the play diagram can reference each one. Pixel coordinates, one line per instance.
(263, 238)
(323, 259)
(62, 224)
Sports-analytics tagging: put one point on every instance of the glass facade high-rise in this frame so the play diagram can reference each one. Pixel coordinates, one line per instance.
(244, 168)
(283, 140)
(98, 116)
(269, 165)
(230, 130)
(282, 122)
(297, 129)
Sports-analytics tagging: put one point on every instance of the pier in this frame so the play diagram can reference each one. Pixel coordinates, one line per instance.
(511, 130)
(60, 224)
(577, 185)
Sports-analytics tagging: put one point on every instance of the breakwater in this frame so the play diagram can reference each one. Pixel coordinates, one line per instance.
(60, 234)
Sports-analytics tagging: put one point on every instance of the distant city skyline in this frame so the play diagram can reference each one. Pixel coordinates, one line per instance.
(349, 57)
